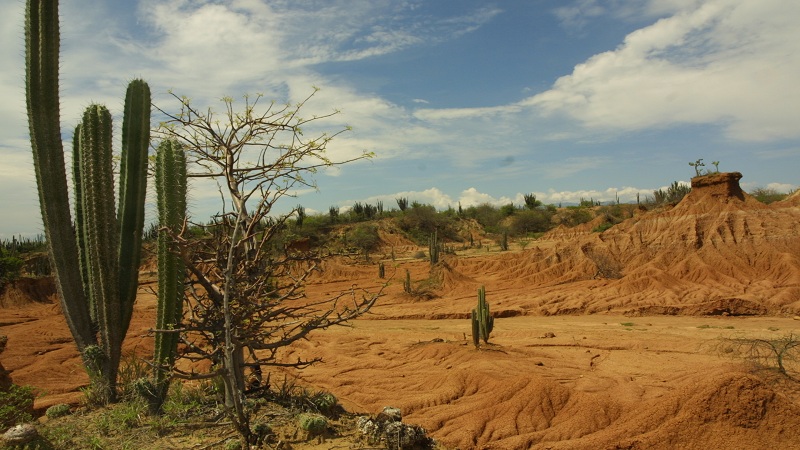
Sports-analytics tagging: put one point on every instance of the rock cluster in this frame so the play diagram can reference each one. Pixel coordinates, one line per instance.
(388, 429)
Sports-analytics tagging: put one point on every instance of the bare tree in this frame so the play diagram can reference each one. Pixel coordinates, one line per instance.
(246, 293)
(780, 353)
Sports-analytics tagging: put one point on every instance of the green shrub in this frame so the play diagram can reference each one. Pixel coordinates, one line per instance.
(674, 194)
(16, 406)
(767, 195)
(576, 215)
(60, 410)
(10, 267)
(365, 237)
(530, 221)
(602, 227)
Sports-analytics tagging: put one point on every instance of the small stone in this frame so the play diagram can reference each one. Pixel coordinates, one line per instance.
(390, 414)
(20, 434)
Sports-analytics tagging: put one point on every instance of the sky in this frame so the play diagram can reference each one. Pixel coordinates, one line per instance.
(461, 101)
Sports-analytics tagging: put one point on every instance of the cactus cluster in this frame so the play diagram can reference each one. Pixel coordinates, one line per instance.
(95, 258)
(97, 264)
(482, 320)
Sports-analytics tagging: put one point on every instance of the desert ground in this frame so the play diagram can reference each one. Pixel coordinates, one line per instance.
(611, 340)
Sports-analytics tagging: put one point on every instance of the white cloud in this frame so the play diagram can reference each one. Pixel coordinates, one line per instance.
(727, 62)
(578, 14)
(432, 196)
(473, 197)
(454, 114)
(625, 194)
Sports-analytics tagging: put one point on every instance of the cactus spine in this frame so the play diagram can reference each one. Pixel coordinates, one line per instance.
(482, 320)
(97, 285)
(171, 193)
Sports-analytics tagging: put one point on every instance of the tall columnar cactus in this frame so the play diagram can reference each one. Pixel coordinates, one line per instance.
(97, 284)
(171, 193)
(434, 247)
(482, 320)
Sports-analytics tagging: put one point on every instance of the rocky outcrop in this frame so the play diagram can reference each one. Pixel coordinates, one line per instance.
(723, 185)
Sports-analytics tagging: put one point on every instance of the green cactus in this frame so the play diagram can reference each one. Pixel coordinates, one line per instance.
(433, 248)
(41, 86)
(482, 320)
(96, 265)
(476, 329)
(171, 193)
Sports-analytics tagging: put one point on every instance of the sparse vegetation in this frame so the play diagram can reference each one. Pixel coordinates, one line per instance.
(246, 292)
(10, 268)
(767, 195)
(59, 410)
(674, 194)
(16, 405)
(313, 424)
(780, 353)
(698, 167)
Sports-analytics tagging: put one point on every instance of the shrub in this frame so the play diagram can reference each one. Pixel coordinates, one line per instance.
(602, 227)
(780, 353)
(16, 406)
(767, 195)
(60, 410)
(420, 221)
(10, 267)
(486, 215)
(365, 237)
(674, 194)
(576, 215)
(531, 221)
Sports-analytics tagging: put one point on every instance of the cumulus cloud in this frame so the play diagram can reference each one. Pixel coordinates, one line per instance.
(726, 62)
(474, 197)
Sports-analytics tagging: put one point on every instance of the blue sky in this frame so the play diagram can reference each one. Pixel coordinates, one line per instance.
(461, 100)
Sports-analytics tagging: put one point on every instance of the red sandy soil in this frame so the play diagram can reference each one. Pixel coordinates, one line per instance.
(602, 340)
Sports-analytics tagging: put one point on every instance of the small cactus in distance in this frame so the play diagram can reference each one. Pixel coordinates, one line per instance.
(482, 320)
(407, 283)
(434, 247)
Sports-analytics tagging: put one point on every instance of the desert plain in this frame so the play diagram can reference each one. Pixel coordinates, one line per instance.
(602, 340)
